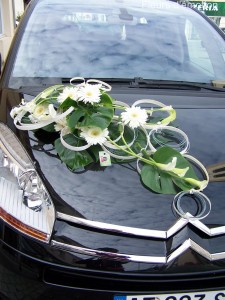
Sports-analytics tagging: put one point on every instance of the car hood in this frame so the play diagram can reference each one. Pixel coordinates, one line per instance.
(125, 223)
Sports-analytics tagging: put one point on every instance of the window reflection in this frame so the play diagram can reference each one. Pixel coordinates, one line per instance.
(115, 43)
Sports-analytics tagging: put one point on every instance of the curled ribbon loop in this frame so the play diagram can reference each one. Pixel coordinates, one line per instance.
(41, 124)
(77, 79)
(104, 86)
(202, 201)
(184, 144)
(70, 147)
(163, 107)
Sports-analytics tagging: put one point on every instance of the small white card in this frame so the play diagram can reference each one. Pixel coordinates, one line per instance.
(104, 158)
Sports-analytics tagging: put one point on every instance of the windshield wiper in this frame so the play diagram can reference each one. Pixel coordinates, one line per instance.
(108, 80)
(139, 82)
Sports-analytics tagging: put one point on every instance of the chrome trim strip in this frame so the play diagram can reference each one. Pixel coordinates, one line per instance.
(108, 255)
(112, 227)
(188, 244)
(159, 234)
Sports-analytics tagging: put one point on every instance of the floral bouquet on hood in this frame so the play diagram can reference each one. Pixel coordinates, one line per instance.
(91, 124)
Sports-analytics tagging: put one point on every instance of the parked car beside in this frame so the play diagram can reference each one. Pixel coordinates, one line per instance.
(112, 120)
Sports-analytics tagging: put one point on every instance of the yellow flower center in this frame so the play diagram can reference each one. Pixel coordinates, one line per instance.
(95, 132)
(89, 94)
(39, 110)
(134, 115)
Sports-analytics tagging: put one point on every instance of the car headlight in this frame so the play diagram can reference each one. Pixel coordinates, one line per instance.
(24, 201)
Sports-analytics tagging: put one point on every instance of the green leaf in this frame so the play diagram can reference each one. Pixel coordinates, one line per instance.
(100, 117)
(48, 101)
(184, 186)
(115, 132)
(94, 152)
(167, 180)
(73, 159)
(167, 184)
(49, 128)
(165, 155)
(47, 92)
(140, 141)
(26, 119)
(68, 103)
(74, 118)
(129, 134)
(106, 100)
(150, 177)
(157, 180)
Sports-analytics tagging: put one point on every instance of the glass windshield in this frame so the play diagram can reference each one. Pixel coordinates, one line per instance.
(161, 41)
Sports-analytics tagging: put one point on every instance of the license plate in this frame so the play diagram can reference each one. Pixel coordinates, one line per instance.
(213, 295)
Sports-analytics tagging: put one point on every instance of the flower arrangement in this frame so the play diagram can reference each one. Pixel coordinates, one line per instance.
(93, 126)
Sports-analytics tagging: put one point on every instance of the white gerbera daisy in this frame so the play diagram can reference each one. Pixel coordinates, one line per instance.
(40, 110)
(94, 135)
(44, 112)
(68, 92)
(90, 93)
(134, 116)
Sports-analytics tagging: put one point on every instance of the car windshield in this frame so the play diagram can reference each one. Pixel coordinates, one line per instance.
(154, 40)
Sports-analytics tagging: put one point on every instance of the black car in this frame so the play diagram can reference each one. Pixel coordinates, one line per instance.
(112, 153)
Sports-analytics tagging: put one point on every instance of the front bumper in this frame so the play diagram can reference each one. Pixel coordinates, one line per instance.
(33, 270)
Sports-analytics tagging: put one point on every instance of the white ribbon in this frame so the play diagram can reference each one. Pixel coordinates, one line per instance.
(121, 103)
(171, 128)
(154, 102)
(149, 101)
(201, 197)
(68, 146)
(24, 126)
(104, 86)
(121, 157)
(77, 79)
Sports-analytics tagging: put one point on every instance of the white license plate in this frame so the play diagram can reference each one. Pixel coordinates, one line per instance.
(213, 295)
